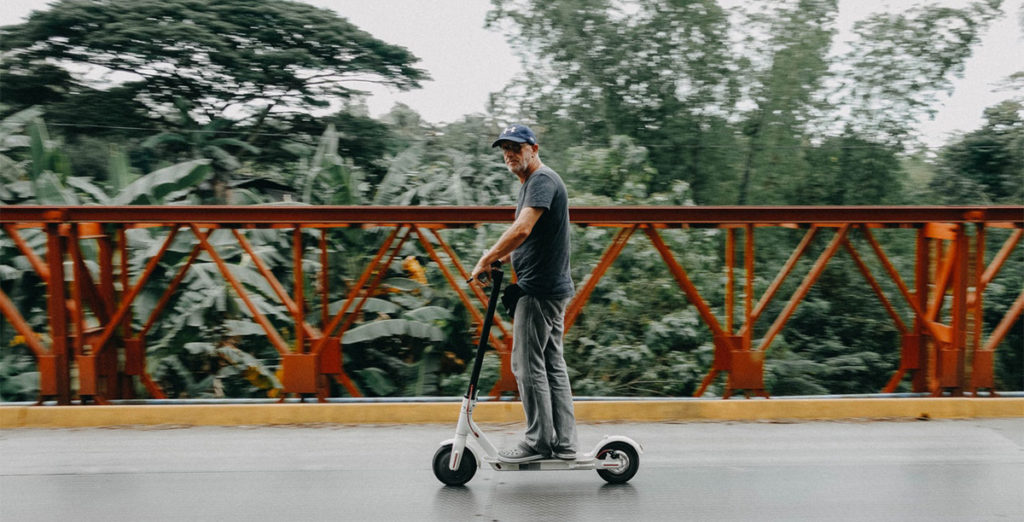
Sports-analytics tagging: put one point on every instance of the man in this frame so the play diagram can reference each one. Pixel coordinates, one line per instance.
(538, 245)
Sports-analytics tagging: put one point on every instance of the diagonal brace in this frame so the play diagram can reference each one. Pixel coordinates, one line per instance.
(805, 286)
(684, 282)
(275, 338)
(275, 284)
(609, 256)
(21, 325)
(126, 303)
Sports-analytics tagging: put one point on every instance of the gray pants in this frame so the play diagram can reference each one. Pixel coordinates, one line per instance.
(539, 367)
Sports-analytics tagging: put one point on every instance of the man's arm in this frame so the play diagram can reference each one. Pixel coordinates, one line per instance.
(509, 240)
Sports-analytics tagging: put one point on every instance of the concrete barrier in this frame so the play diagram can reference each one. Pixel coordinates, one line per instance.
(20, 416)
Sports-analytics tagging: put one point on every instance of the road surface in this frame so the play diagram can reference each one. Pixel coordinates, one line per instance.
(871, 470)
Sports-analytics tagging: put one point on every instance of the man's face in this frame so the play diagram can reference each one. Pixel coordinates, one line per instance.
(517, 156)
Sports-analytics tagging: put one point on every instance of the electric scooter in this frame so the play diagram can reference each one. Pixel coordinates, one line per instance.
(615, 458)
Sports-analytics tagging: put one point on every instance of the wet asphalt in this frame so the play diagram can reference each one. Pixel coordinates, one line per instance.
(854, 470)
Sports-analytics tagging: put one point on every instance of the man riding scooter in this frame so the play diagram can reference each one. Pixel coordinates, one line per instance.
(538, 245)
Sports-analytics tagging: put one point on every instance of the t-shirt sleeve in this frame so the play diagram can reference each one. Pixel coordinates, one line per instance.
(540, 193)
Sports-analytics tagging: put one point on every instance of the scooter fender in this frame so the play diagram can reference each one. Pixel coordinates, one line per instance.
(457, 457)
(618, 438)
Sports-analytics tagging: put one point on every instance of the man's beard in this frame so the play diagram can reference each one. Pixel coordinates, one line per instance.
(518, 167)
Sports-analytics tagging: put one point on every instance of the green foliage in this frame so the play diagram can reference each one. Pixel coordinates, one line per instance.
(998, 298)
(231, 54)
(227, 372)
(785, 96)
(329, 180)
(608, 171)
(19, 378)
(850, 170)
(832, 342)
(735, 121)
(658, 72)
(447, 170)
(44, 175)
(203, 142)
(456, 384)
(387, 328)
(157, 186)
(664, 102)
(987, 165)
(900, 63)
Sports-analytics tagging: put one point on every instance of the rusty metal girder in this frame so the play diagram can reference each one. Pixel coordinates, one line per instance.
(939, 349)
(286, 216)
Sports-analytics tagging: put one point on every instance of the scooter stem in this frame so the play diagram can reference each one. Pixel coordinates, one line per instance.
(492, 305)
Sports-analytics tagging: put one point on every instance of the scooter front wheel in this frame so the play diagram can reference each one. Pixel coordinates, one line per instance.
(467, 467)
(627, 465)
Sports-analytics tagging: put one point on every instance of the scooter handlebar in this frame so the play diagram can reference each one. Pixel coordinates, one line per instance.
(484, 276)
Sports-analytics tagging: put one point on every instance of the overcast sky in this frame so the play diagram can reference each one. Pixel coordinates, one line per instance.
(468, 62)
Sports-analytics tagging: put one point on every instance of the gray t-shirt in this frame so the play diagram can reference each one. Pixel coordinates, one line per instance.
(542, 261)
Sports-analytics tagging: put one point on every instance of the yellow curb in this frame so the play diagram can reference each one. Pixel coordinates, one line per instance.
(447, 412)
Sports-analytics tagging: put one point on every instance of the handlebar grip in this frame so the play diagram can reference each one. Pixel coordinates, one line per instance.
(484, 275)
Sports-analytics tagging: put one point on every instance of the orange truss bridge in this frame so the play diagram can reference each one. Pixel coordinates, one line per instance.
(90, 297)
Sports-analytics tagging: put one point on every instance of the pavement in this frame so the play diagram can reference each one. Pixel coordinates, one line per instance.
(936, 470)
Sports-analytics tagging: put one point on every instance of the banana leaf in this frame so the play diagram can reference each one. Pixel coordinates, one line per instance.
(429, 314)
(390, 328)
(153, 187)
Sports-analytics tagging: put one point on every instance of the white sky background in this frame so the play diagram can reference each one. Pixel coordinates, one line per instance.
(468, 62)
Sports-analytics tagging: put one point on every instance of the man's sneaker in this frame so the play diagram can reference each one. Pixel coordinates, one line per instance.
(519, 453)
(564, 454)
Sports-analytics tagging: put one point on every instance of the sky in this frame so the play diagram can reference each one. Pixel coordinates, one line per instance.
(468, 62)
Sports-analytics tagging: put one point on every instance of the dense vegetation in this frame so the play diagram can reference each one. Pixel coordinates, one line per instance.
(668, 102)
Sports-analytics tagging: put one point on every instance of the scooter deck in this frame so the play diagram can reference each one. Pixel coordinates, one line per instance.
(549, 465)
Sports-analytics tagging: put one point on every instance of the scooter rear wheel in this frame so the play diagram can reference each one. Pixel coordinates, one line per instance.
(467, 467)
(627, 455)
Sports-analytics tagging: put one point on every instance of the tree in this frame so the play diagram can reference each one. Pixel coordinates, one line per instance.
(987, 165)
(784, 93)
(900, 63)
(658, 72)
(199, 141)
(240, 59)
(620, 170)
(735, 120)
(452, 165)
(850, 170)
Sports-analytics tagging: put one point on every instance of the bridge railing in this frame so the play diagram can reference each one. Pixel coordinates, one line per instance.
(90, 328)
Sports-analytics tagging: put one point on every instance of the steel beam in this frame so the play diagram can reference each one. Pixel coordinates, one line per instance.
(288, 216)
(934, 352)
(55, 374)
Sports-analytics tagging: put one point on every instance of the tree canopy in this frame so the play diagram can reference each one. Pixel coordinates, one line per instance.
(235, 58)
(740, 93)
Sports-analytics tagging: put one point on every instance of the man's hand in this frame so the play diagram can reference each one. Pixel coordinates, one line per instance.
(482, 272)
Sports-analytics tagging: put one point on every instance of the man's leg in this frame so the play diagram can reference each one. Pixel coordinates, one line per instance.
(562, 413)
(531, 332)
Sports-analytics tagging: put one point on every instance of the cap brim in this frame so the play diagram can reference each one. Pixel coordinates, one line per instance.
(513, 139)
